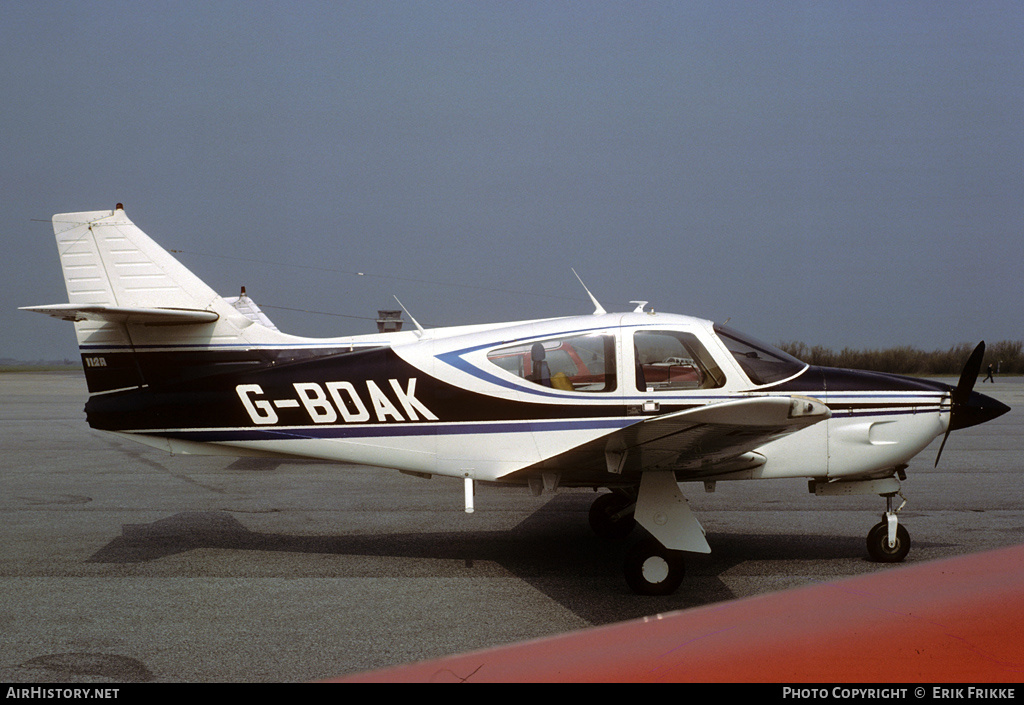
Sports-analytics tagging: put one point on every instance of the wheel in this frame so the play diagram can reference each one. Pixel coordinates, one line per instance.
(604, 519)
(652, 569)
(878, 544)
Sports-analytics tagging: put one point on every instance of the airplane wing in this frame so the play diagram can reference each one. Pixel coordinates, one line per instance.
(708, 440)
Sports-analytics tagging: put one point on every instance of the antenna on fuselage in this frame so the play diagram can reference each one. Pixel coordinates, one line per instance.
(598, 308)
(419, 328)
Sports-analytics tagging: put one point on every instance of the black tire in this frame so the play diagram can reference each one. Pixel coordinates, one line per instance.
(652, 569)
(602, 513)
(878, 544)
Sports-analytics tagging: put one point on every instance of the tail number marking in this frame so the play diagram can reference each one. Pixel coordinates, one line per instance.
(325, 403)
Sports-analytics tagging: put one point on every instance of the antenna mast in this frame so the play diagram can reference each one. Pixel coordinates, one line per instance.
(598, 308)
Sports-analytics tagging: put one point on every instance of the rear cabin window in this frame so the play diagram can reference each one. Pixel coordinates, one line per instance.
(578, 363)
(671, 360)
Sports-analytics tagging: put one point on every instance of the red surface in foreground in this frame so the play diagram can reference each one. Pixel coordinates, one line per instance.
(955, 620)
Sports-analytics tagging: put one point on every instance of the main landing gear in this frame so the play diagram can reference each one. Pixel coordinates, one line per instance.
(611, 515)
(655, 565)
(650, 568)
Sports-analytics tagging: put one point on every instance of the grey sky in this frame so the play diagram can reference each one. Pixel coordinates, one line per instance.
(845, 174)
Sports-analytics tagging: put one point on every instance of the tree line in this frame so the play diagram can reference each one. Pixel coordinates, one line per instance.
(1006, 356)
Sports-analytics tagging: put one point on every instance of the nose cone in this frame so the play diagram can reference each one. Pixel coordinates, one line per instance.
(977, 409)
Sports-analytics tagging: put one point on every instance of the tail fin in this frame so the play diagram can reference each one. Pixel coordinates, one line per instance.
(107, 259)
(128, 295)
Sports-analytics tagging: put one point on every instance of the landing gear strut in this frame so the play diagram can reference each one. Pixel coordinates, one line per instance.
(888, 540)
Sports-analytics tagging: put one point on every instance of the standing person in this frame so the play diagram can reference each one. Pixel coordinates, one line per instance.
(989, 378)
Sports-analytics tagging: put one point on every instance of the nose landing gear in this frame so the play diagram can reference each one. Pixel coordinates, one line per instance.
(889, 541)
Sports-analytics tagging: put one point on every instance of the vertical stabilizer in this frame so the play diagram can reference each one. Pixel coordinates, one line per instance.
(108, 260)
(131, 299)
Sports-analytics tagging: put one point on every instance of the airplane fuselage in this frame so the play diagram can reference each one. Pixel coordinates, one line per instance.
(461, 404)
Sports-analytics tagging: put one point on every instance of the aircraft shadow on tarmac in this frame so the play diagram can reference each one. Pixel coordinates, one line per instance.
(551, 550)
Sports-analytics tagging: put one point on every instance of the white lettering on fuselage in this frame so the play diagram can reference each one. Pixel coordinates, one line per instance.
(333, 400)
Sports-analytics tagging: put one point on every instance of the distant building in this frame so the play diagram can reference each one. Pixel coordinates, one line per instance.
(389, 321)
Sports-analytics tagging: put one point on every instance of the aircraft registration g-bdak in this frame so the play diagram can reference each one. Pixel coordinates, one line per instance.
(631, 402)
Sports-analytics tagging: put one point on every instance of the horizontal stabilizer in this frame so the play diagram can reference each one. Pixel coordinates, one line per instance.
(125, 314)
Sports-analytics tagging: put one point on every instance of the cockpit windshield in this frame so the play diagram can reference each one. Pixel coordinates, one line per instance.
(762, 363)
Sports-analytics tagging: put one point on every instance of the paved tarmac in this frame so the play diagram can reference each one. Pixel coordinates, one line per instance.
(120, 563)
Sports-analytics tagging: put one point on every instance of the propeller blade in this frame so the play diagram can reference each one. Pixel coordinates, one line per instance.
(964, 387)
(968, 376)
(941, 446)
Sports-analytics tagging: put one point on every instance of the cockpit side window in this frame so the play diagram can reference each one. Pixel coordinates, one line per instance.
(577, 363)
(671, 360)
(762, 363)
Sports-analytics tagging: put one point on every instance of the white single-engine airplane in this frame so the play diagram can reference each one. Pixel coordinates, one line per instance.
(632, 402)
